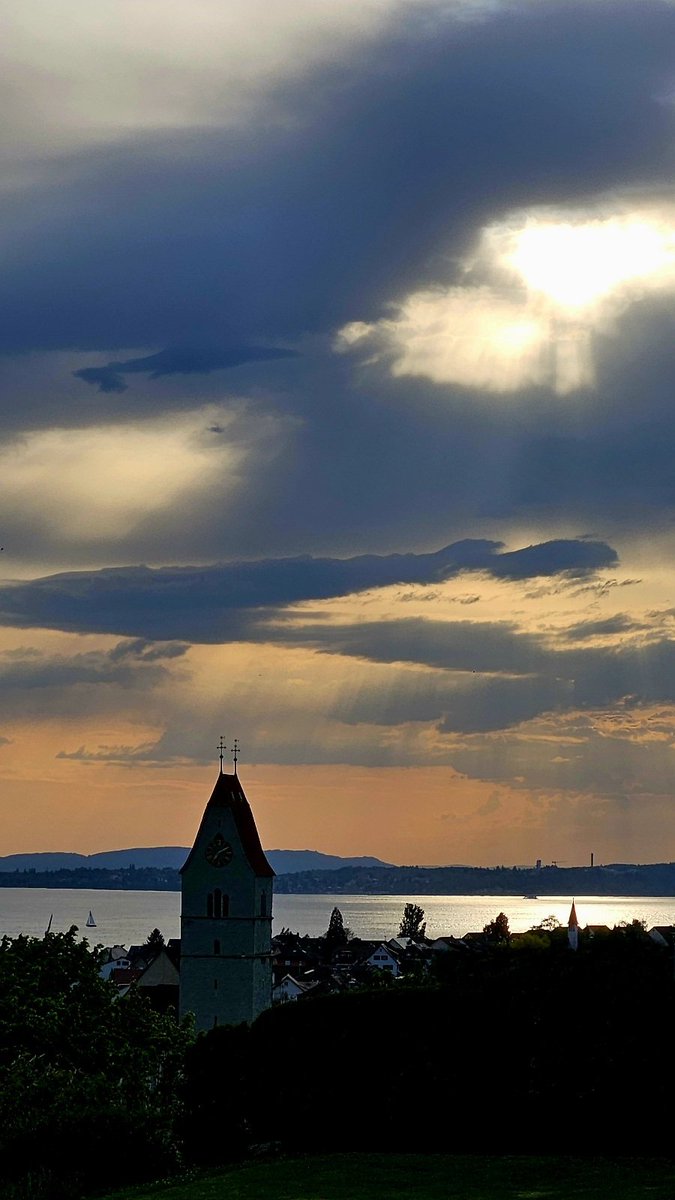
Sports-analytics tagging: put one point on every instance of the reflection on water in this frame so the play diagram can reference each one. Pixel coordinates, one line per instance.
(128, 917)
(379, 916)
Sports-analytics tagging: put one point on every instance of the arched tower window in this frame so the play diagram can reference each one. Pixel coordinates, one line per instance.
(217, 904)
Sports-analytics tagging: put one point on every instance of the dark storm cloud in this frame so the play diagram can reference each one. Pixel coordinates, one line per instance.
(141, 650)
(177, 361)
(120, 754)
(451, 645)
(32, 682)
(506, 677)
(551, 558)
(642, 674)
(583, 761)
(456, 705)
(227, 602)
(382, 163)
(614, 626)
(374, 179)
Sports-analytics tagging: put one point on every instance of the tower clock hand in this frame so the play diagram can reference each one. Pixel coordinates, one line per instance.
(220, 856)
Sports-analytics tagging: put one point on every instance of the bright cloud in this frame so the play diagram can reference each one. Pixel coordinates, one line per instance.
(552, 283)
(578, 263)
(469, 336)
(109, 477)
(80, 73)
(478, 338)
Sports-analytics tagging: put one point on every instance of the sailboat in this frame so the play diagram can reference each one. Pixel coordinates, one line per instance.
(91, 924)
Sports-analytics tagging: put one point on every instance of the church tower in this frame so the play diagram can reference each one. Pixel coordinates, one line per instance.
(226, 913)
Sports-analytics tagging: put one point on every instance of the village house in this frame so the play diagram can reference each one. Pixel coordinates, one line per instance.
(663, 935)
(384, 958)
(154, 971)
(289, 988)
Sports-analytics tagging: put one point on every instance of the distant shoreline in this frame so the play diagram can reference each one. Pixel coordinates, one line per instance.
(619, 879)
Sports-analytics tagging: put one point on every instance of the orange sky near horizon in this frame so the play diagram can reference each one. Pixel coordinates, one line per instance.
(424, 816)
(103, 764)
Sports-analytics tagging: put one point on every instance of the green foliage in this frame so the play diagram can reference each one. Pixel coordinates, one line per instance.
(534, 940)
(412, 924)
(546, 1032)
(91, 1083)
(379, 977)
(217, 1094)
(633, 931)
(82, 1071)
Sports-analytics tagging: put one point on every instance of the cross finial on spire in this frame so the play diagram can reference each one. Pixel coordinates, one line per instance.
(235, 754)
(221, 747)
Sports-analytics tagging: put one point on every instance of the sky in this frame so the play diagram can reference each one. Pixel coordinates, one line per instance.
(337, 368)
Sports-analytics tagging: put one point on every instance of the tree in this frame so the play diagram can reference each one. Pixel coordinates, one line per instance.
(550, 923)
(81, 1069)
(412, 924)
(336, 934)
(155, 941)
(498, 930)
(634, 931)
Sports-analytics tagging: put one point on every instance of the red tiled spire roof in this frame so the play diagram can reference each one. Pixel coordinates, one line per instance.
(573, 922)
(228, 793)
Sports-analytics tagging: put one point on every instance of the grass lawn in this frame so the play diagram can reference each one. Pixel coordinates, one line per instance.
(423, 1177)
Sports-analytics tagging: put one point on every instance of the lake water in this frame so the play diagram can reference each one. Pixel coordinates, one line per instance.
(128, 917)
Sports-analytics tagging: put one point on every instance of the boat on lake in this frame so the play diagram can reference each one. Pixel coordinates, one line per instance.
(91, 924)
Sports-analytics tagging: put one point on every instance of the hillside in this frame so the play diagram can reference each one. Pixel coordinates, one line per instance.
(283, 862)
(618, 879)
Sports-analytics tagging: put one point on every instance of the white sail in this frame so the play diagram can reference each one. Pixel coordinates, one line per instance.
(90, 920)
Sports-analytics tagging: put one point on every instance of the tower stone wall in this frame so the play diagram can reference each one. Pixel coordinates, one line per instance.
(226, 915)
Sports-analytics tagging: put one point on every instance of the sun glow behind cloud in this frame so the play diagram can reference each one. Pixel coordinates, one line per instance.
(109, 477)
(578, 263)
(550, 281)
(468, 335)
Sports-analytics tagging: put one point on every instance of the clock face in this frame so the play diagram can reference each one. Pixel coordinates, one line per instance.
(218, 852)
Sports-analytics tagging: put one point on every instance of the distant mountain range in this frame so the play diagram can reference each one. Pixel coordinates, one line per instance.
(283, 862)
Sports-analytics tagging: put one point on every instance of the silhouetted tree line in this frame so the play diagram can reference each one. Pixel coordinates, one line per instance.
(141, 879)
(509, 1051)
(621, 879)
(522, 1045)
